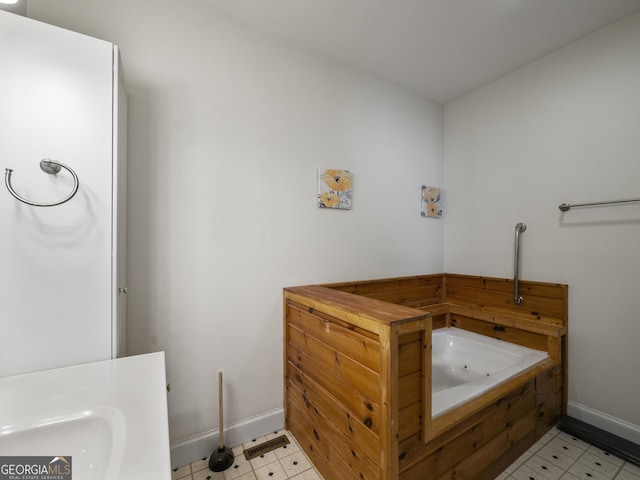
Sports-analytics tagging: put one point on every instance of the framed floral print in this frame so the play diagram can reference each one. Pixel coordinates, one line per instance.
(431, 202)
(334, 188)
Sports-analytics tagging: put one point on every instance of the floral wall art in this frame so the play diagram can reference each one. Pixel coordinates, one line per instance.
(431, 202)
(334, 188)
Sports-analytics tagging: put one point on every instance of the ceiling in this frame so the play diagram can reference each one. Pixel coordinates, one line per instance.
(440, 48)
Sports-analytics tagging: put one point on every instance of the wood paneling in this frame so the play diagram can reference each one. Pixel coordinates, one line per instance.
(542, 301)
(478, 459)
(317, 400)
(506, 408)
(424, 287)
(549, 388)
(336, 363)
(318, 447)
(358, 375)
(509, 334)
(360, 406)
(329, 439)
(350, 342)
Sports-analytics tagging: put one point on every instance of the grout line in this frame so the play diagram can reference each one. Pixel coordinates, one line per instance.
(530, 461)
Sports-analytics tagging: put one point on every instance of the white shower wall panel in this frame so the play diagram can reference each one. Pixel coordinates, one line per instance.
(58, 272)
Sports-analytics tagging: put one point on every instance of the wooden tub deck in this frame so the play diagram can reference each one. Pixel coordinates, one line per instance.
(358, 375)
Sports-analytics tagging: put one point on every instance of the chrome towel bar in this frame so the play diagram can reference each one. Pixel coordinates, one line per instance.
(565, 207)
(52, 168)
(517, 298)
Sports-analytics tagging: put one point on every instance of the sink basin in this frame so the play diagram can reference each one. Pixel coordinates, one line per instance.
(94, 439)
(109, 417)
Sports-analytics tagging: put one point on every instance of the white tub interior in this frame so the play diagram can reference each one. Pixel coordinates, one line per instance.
(466, 364)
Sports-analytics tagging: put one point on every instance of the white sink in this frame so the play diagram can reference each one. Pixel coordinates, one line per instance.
(109, 417)
(94, 439)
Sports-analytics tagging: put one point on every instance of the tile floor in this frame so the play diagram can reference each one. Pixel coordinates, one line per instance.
(288, 462)
(556, 456)
(559, 456)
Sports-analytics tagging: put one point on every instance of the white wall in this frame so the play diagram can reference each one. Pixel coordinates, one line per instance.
(563, 129)
(226, 129)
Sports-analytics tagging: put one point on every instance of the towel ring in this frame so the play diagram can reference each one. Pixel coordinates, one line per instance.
(52, 168)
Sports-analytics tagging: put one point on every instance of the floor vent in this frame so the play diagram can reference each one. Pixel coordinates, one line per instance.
(265, 447)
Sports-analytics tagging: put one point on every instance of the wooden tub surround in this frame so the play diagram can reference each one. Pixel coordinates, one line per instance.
(358, 375)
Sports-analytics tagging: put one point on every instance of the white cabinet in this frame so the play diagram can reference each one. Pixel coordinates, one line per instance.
(61, 267)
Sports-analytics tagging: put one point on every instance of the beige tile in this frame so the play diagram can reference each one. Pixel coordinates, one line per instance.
(627, 475)
(207, 474)
(181, 472)
(263, 460)
(238, 457)
(588, 472)
(541, 443)
(634, 469)
(248, 476)
(603, 468)
(298, 465)
(295, 463)
(277, 433)
(572, 440)
(291, 438)
(525, 472)
(544, 468)
(238, 451)
(308, 475)
(605, 455)
(287, 450)
(271, 471)
(254, 442)
(568, 476)
(199, 465)
(549, 435)
(568, 446)
(557, 457)
(240, 468)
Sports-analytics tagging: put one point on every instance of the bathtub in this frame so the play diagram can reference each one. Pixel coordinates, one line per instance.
(466, 364)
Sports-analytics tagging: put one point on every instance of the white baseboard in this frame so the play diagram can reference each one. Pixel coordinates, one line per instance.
(200, 446)
(616, 426)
